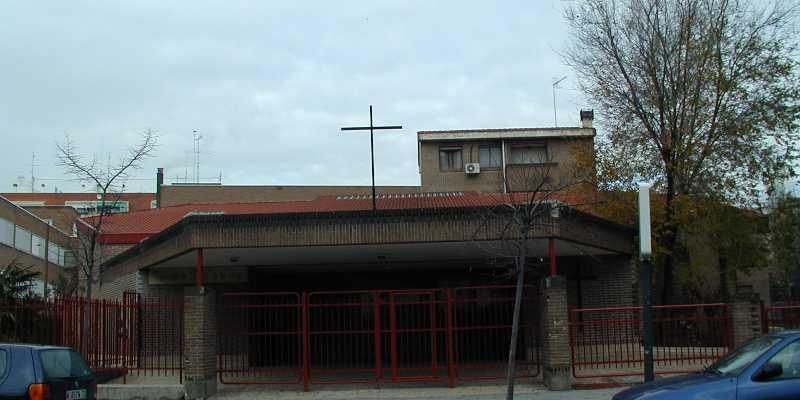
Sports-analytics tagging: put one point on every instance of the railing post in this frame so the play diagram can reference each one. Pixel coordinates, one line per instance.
(451, 382)
(393, 334)
(377, 336)
(306, 345)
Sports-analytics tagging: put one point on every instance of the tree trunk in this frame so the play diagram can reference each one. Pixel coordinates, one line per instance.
(512, 347)
(670, 240)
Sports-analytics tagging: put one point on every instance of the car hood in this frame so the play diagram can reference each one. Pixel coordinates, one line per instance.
(682, 386)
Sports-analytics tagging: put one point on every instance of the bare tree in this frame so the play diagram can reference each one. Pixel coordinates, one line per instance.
(700, 96)
(537, 193)
(108, 180)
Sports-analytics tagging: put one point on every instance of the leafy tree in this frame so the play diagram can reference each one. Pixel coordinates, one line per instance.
(785, 238)
(701, 97)
(16, 283)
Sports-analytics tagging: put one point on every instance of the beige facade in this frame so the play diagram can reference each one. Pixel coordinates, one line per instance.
(507, 159)
(29, 241)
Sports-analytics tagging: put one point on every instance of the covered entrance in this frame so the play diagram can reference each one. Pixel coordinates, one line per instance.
(374, 336)
(362, 297)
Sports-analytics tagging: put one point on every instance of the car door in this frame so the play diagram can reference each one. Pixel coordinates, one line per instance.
(783, 387)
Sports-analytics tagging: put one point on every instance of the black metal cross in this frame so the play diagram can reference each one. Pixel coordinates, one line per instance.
(372, 147)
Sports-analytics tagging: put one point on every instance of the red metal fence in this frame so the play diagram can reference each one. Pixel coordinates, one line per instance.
(369, 336)
(779, 317)
(607, 341)
(133, 335)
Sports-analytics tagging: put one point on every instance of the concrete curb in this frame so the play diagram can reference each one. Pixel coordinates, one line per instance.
(140, 392)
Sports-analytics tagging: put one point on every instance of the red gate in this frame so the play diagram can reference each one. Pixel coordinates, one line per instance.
(369, 336)
(482, 330)
(261, 338)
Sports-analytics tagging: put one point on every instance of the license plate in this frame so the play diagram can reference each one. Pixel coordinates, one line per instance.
(76, 394)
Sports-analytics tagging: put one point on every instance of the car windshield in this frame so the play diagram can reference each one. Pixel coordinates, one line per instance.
(63, 363)
(734, 362)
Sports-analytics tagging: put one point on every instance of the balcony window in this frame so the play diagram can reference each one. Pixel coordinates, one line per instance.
(533, 154)
(450, 159)
(490, 156)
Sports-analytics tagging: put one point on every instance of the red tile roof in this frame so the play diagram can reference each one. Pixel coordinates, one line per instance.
(134, 226)
(136, 201)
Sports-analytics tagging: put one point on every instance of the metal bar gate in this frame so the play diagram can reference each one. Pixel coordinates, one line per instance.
(370, 336)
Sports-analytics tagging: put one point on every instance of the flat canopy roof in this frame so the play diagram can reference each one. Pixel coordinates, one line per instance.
(506, 133)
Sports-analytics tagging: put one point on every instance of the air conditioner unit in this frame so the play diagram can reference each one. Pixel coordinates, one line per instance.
(472, 168)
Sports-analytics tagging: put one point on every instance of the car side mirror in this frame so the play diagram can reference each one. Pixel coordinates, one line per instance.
(769, 370)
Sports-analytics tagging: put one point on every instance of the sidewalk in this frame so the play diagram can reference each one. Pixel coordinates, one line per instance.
(461, 393)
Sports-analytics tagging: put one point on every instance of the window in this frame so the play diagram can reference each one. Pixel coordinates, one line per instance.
(92, 207)
(534, 154)
(450, 159)
(6, 232)
(490, 156)
(3, 363)
(789, 359)
(52, 253)
(22, 239)
(37, 246)
(69, 259)
(63, 363)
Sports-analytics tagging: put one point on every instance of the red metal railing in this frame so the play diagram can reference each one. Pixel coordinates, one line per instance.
(780, 317)
(369, 336)
(131, 335)
(482, 330)
(607, 341)
(261, 338)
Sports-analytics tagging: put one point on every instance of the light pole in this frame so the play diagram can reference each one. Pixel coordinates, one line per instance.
(555, 83)
(645, 251)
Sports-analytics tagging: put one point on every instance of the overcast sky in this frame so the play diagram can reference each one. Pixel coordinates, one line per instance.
(268, 84)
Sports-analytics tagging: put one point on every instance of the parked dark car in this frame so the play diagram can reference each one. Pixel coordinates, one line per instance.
(36, 372)
(765, 368)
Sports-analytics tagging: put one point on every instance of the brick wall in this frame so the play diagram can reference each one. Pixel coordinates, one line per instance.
(555, 334)
(200, 341)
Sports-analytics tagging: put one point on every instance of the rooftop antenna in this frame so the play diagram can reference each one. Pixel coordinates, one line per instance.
(197, 138)
(555, 84)
(33, 177)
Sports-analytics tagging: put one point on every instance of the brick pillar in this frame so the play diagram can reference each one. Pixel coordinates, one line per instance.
(555, 334)
(745, 317)
(200, 342)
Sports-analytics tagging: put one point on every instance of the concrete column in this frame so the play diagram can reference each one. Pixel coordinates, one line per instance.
(745, 317)
(555, 334)
(200, 342)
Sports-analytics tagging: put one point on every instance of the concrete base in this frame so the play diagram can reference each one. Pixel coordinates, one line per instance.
(140, 392)
(557, 377)
(200, 387)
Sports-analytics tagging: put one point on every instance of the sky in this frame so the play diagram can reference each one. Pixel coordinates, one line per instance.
(268, 84)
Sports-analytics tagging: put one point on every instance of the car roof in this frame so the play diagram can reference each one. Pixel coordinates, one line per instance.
(785, 334)
(34, 346)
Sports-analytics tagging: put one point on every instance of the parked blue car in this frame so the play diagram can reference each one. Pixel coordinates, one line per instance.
(35, 372)
(765, 368)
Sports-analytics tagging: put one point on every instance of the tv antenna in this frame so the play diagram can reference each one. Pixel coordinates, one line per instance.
(555, 85)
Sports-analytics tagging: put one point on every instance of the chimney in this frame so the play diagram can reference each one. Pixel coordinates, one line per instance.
(587, 116)
(159, 182)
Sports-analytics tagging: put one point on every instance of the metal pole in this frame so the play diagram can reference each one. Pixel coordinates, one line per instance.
(647, 318)
(645, 250)
(555, 115)
(372, 156)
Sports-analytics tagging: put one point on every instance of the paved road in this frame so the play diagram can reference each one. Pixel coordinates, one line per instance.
(462, 393)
